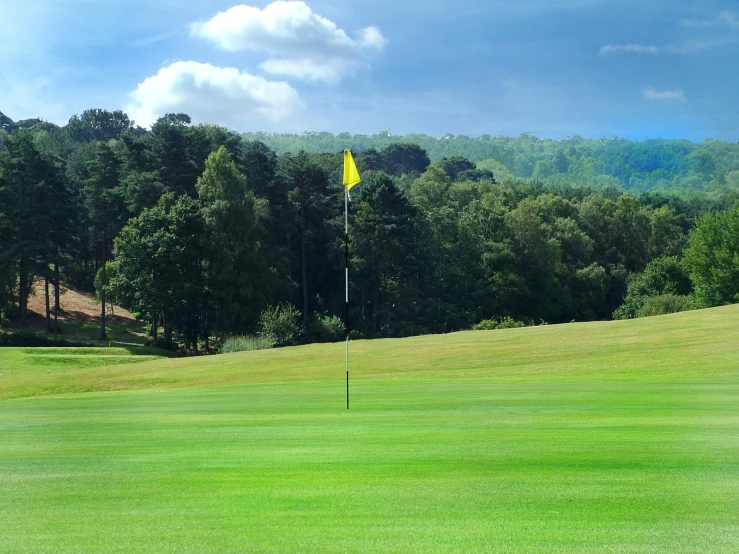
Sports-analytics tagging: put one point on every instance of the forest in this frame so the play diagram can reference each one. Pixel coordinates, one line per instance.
(654, 165)
(206, 234)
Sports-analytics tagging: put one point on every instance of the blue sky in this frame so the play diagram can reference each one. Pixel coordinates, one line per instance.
(554, 68)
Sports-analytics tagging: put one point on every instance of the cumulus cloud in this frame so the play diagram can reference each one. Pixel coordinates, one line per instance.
(221, 95)
(300, 43)
(654, 94)
(629, 49)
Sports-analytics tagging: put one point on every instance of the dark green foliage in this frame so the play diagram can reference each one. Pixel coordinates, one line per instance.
(455, 166)
(210, 229)
(327, 328)
(98, 125)
(396, 159)
(238, 276)
(6, 124)
(712, 258)
(383, 246)
(665, 304)
(491, 324)
(106, 211)
(158, 270)
(31, 339)
(280, 325)
(662, 276)
(306, 224)
(245, 343)
(669, 166)
(35, 216)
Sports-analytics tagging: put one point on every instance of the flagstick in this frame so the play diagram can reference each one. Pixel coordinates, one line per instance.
(346, 269)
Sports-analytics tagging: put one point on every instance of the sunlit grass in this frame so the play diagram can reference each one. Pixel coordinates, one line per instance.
(601, 437)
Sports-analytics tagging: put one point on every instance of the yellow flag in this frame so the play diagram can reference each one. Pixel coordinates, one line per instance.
(351, 175)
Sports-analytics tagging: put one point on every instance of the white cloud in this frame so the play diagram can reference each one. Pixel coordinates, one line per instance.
(300, 43)
(689, 47)
(371, 37)
(654, 94)
(629, 48)
(221, 95)
(724, 18)
(730, 18)
(307, 69)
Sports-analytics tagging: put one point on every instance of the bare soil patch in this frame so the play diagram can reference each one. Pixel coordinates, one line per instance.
(77, 307)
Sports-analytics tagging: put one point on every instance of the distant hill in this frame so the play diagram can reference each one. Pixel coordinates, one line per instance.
(673, 166)
(8, 125)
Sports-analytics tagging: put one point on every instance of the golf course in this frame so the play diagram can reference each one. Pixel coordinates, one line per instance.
(615, 436)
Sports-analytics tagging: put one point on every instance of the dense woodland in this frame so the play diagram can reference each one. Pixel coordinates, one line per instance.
(654, 165)
(201, 232)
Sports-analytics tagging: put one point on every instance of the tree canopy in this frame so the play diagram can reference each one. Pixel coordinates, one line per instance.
(200, 231)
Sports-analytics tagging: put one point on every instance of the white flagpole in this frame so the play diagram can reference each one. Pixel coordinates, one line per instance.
(346, 269)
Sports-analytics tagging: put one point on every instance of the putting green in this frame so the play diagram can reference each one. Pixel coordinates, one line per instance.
(601, 437)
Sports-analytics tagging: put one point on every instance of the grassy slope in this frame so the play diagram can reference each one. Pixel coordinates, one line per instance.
(41, 371)
(610, 437)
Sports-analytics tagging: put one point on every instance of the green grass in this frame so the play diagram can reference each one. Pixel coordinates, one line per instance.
(600, 437)
(246, 343)
(57, 370)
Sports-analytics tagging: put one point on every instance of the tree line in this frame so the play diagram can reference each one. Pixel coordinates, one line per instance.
(668, 166)
(200, 233)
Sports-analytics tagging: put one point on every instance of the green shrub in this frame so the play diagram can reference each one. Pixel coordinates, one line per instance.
(280, 325)
(665, 304)
(328, 328)
(509, 323)
(245, 343)
(11, 311)
(662, 276)
(505, 323)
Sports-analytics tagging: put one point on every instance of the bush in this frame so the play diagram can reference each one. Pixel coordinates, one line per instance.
(662, 276)
(280, 325)
(505, 323)
(510, 323)
(665, 304)
(10, 311)
(245, 343)
(328, 328)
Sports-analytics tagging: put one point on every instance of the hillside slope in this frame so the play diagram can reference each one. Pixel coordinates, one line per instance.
(688, 345)
(79, 318)
(581, 438)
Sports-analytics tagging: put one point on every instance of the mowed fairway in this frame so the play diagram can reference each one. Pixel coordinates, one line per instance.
(598, 437)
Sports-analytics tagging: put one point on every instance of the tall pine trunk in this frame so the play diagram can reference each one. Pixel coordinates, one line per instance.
(102, 296)
(48, 306)
(167, 324)
(154, 325)
(23, 291)
(304, 266)
(57, 308)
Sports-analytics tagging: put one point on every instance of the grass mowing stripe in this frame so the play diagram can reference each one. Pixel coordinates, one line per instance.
(426, 465)
(600, 437)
